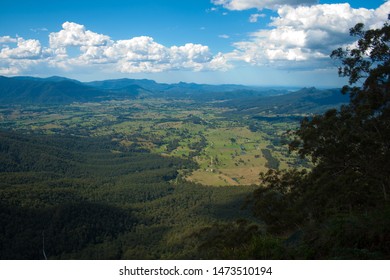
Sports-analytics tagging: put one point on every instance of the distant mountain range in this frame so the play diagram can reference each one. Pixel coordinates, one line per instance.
(59, 90)
(183, 88)
(246, 99)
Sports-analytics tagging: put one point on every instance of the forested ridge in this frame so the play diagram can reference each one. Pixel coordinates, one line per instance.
(92, 198)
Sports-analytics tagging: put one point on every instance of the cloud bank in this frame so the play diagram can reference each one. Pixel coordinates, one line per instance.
(135, 55)
(240, 5)
(305, 33)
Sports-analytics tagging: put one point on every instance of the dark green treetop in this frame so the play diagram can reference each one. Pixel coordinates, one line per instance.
(349, 147)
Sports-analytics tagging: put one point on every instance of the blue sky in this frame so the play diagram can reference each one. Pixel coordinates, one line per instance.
(256, 42)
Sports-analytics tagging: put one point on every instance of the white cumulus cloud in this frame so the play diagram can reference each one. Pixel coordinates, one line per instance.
(75, 47)
(143, 54)
(7, 39)
(15, 60)
(240, 5)
(254, 17)
(74, 34)
(306, 33)
(26, 49)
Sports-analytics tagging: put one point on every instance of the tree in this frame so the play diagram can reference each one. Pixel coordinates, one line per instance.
(352, 145)
(341, 207)
(349, 147)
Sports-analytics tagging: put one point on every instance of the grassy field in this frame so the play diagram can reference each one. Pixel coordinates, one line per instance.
(228, 152)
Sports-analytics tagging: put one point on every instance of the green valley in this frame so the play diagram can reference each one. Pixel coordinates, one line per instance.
(134, 177)
(229, 149)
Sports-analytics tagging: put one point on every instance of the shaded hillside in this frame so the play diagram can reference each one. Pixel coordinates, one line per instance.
(66, 187)
(92, 198)
(41, 91)
(306, 100)
(56, 90)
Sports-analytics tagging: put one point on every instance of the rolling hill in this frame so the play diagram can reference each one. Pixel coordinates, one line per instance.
(306, 100)
(26, 90)
(57, 90)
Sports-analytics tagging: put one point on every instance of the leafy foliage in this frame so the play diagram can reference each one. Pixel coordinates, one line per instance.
(239, 240)
(341, 205)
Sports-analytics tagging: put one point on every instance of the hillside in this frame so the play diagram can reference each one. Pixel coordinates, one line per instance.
(58, 90)
(92, 203)
(306, 100)
(41, 91)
